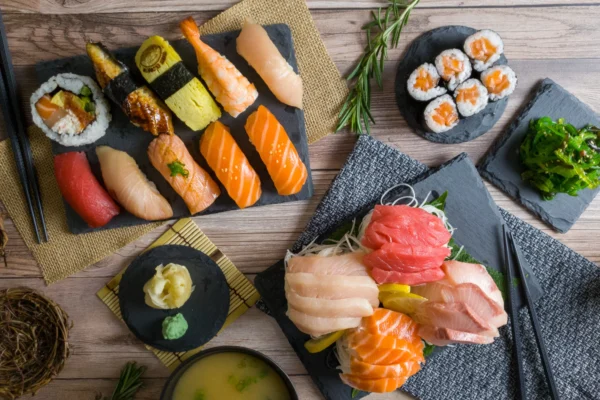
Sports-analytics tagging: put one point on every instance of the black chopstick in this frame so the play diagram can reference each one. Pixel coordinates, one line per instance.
(514, 316)
(19, 140)
(535, 322)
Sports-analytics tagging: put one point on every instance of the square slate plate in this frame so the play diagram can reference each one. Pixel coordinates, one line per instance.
(470, 209)
(124, 136)
(502, 165)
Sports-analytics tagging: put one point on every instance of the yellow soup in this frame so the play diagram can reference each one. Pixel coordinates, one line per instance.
(230, 376)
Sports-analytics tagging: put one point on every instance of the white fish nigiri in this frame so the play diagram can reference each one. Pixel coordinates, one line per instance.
(260, 52)
(128, 185)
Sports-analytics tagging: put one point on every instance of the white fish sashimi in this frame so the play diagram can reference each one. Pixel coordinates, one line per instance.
(351, 307)
(445, 336)
(455, 316)
(318, 326)
(349, 264)
(335, 287)
(460, 272)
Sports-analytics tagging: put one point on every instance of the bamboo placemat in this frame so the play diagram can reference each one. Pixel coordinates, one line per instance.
(242, 294)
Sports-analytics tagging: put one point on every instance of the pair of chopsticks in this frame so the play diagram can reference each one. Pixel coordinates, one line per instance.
(18, 138)
(510, 251)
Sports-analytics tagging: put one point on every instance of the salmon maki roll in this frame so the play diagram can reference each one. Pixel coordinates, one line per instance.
(230, 164)
(423, 83)
(172, 159)
(484, 47)
(277, 151)
(500, 81)
(441, 114)
(471, 97)
(454, 67)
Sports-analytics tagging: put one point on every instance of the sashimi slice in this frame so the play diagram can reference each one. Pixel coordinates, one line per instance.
(389, 323)
(351, 307)
(460, 272)
(349, 264)
(371, 371)
(456, 316)
(381, 349)
(432, 291)
(407, 278)
(343, 287)
(401, 258)
(383, 385)
(317, 326)
(445, 336)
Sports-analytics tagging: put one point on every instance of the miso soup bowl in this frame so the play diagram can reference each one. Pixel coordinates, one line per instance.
(167, 393)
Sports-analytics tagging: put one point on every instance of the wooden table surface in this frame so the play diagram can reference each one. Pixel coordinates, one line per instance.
(543, 38)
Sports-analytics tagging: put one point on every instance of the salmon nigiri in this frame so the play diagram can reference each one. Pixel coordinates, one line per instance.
(277, 151)
(129, 186)
(226, 83)
(256, 47)
(172, 159)
(230, 164)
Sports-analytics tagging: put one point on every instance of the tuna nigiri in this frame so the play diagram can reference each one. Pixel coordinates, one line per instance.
(82, 191)
(130, 187)
(230, 164)
(172, 159)
(260, 52)
(277, 151)
(223, 79)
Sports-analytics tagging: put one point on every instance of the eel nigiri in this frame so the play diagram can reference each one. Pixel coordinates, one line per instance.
(82, 191)
(130, 187)
(226, 83)
(277, 151)
(139, 103)
(230, 164)
(172, 159)
(260, 52)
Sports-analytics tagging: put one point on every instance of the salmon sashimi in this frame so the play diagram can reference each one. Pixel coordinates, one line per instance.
(382, 350)
(371, 371)
(444, 336)
(349, 264)
(172, 159)
(231, 166)
(460, 272)
(129, 186)
(389, 323)
(277, 151)
(50, 112)
(318, 326)
(383, 385)
(382, 276)
(260, 52)
(445, 114)
(82, 191)
(231, 89)
(330, 308)
(456, 316)
(343, 287)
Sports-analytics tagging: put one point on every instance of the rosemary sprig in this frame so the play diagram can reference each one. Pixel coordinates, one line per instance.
(129, 383)
(356, 111)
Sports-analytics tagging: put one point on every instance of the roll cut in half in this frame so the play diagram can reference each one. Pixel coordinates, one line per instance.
(441, 114)
(500, 81)
(423, 83)
(485, 48)
(471, 97)
(454, 67)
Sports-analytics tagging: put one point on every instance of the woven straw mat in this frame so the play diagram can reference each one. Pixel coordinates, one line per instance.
(66, 254)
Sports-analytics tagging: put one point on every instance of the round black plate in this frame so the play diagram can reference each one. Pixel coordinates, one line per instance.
(205, 311)
(424, 49)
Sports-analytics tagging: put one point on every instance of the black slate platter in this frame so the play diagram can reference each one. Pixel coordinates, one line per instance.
(205, 311)
(502, 165)
(470, 209)
(424, 49)
(124, 136)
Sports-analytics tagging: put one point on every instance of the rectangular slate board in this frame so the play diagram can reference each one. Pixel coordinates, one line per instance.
(124, 136)
(502, 165)
(469, 207)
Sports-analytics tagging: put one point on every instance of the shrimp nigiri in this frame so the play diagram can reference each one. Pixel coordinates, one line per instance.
(226, 83)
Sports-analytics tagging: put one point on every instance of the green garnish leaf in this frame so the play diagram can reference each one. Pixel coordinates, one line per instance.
(428, 349)
(129, 383)
(178, 168)
(440, 202)
(355, 392)
(85, 91)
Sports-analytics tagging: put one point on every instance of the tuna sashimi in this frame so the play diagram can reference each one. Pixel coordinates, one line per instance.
(404, 225)
(349, 264)
(342, 287)
(401, 258)
(445, 336)
(456, 316)
(350, 307)
(460, 272)
(383, 385)
(318, 326)
(82, 191)
(382, 276)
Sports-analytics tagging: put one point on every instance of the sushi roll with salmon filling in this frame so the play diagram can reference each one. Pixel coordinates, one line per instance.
(484, 48)
(471, 97)
(454, 67)
(423, 83)
(499, 81)
(441, 114)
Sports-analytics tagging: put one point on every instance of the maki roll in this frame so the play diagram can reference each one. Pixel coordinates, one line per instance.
(485, 48)
(423, 83)
(163, 69)
(70, 109)
(139, 103)
(441, 114)
(454, 67)
(500, 81)
(471, 97)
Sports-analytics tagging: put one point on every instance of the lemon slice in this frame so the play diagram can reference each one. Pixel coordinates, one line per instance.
(406, 303)
(394, 287)
(321, 343)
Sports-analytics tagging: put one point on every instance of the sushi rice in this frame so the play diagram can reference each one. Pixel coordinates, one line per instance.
(454, 67)
(423, 83)
(471, 97)
(485, 48)
(500, 81)
(441, 114)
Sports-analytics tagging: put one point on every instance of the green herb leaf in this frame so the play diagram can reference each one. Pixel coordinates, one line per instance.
(440, 202)
(428, 349)
(178, 168)
(355, 392)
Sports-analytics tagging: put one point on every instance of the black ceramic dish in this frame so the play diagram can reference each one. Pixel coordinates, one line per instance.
(205, 311)
(124, 136)
(424, 49)
(167, 393)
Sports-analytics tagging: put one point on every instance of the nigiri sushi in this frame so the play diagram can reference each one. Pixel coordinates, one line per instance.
(277, 151)
(260, 52)
(230, 164)
(226, 83)
(82, 191)
(130, 187)
(172, 159)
